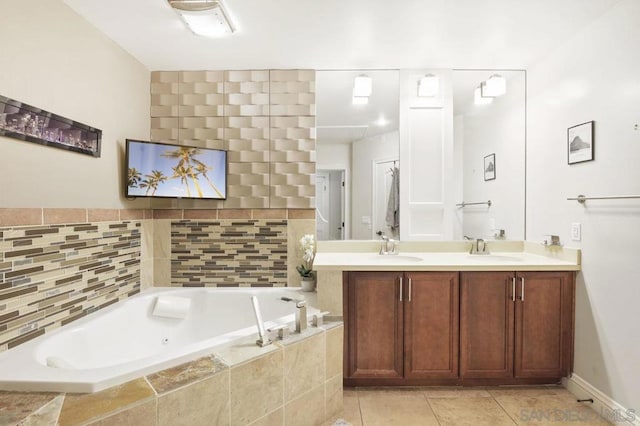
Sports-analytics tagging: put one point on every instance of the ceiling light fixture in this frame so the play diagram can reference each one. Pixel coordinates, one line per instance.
(495, 86)
(362, 88)
(428, 86)
(478, 99)
(206, 18)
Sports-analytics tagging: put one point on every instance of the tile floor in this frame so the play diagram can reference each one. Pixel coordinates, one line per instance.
(537, 405)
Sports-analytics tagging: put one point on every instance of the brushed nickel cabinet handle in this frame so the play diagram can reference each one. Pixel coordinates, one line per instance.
(401, 289)
(409, 289)
(513, 289)
(522, 289)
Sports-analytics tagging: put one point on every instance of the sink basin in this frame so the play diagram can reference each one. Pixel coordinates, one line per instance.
(397, 258)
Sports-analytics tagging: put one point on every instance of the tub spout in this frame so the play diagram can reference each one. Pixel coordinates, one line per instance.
(264, 339)
(301, 313)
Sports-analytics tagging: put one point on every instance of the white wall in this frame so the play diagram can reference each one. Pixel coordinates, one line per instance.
(53, 59)
(498, 128)
(594, 76)
(364, 152)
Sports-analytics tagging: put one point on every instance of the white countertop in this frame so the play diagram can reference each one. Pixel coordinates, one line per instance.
(530, 258)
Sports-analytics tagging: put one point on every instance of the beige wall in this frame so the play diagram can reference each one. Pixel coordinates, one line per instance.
(54, 59)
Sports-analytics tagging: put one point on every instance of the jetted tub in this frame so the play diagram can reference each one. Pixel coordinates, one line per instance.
(125, 341)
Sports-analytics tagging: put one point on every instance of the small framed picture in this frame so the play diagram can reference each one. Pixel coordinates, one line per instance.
(490, 167)
(580, 143)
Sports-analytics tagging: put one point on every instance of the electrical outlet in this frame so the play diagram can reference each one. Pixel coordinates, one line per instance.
(576, 232)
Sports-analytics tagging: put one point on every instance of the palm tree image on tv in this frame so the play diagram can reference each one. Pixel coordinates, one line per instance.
(175, 171)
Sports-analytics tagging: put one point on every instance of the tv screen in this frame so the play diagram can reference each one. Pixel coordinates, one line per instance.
(175, 171)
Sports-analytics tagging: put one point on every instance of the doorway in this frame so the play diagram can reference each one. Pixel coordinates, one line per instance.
(330, 204)
(383, 171)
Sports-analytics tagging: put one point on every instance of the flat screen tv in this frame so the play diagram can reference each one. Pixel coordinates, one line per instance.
(175, 171)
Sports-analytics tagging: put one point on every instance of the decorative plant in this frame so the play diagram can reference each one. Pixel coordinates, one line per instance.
(307, 243)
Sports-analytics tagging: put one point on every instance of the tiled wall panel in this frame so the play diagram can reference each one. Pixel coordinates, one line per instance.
(53, 274)
(292, 185)
(232, 252)
(165, 93)
(262, 117)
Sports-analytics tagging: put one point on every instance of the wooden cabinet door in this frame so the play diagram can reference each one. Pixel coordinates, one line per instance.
(374, 325)
(544, 324)
(431, 305)
(486, 325)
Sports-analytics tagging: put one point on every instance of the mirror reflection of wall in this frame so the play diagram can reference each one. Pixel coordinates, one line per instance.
(357, 139)
(359, 144)
(491, 128)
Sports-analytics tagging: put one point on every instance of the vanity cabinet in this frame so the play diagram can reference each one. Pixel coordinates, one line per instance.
(451, 328)
(402, 328)
(516, 325)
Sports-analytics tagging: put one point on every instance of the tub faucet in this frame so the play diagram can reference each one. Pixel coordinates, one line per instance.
(301, 313)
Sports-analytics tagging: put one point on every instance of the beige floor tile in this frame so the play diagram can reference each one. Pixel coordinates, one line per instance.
(523, 390)
(45, 416)
(456, 392)
(549, 410)
(404, 408)
(351, 411)
(469, 411)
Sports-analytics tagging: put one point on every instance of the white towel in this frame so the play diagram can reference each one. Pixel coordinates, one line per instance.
(393, 205)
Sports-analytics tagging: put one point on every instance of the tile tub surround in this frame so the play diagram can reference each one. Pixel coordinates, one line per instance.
(52, 274)
(292, 382)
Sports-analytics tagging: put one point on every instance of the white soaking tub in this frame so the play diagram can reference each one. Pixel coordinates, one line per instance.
(125, 341)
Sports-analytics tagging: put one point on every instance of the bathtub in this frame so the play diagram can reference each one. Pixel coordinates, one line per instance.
(126, 341)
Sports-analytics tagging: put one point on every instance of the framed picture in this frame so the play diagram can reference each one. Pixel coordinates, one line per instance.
(28, 123)
(580, 143)
(490, 167)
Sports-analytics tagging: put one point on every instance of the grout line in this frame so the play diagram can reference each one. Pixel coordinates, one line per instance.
(504, 410)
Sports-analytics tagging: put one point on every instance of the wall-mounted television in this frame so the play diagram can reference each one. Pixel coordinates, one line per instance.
(175, 171)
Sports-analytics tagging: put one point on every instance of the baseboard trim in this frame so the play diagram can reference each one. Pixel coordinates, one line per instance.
(602, 404)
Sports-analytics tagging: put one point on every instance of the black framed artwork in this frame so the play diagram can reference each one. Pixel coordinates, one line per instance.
(580, 143)
(28, 123)
(490, 167)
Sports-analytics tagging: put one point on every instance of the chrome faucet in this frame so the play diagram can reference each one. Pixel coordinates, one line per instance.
(388, 246)
(301, 313)
(478, 245)
(266, 337)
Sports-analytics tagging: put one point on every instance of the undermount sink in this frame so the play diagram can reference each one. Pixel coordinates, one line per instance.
(395, 258)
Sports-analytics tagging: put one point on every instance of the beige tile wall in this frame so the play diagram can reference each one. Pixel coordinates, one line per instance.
(294, 382)
(58, 265)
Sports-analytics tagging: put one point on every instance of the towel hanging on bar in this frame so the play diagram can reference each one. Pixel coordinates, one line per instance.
(393, 204)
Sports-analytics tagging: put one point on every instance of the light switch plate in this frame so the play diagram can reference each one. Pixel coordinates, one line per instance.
(576, 232)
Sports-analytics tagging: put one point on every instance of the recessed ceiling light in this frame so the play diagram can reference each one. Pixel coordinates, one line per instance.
(206, 18)
(381, 122)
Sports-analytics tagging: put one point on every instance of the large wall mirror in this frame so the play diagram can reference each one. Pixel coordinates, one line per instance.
(358, 153)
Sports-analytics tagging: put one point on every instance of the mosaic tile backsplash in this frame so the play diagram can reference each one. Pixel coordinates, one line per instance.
(51, 275)
(229, 253)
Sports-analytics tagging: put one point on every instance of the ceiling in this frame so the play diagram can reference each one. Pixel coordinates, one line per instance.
(347, 34)
(340, 121)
